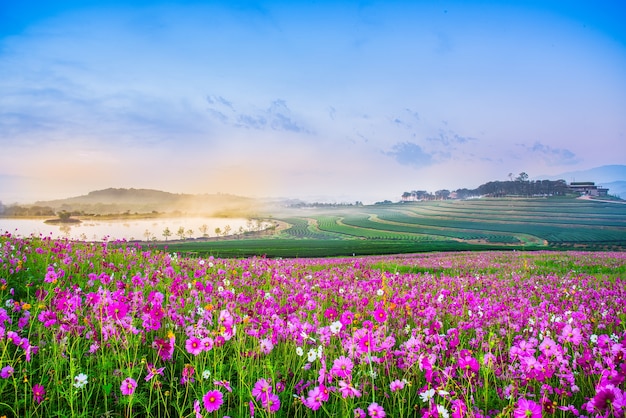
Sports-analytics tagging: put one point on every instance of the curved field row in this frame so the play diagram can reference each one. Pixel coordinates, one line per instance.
(301, 229)
(550, 232)
(599, 216)
(366, 221)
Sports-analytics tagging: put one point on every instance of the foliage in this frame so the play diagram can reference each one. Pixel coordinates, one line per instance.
(111, 329)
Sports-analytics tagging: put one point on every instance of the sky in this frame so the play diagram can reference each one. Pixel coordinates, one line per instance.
(332, 101)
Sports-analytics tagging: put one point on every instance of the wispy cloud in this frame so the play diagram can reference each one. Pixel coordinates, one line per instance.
(410, 153)
(277, 116)
(551, 156)
(448, 137)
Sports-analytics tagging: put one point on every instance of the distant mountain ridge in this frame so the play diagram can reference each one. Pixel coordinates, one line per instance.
(612, 177)
(599, 175)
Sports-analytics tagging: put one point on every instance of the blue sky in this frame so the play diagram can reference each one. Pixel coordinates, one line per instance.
(320, 100)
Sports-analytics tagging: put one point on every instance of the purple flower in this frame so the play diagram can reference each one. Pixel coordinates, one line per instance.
(128, 386)
(38, 393)
(213, 400)
(153, 371)
(6, 372)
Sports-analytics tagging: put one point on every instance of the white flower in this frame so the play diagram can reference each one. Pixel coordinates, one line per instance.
(335, 327)
(80, 380)
(442, 392)
(299, 351)
(427, 395)
(593, 338)
(226, 282)
(220, 289)
(341, 291)
(440, 298)
(614, 337)
(443, 412)
(211, 264)
(312, 355)
(201, 262)
(206, 374)
(380, 292)
(320, 350)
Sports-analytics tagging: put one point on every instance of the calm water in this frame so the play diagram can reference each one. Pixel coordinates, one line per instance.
(135, 229)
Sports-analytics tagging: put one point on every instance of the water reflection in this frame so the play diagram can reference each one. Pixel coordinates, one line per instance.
(135, 229)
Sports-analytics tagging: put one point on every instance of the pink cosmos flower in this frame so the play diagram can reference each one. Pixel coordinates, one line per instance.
(194, 346)
(271, 402)
(527, 409)
(314, 400)
(196, 409)
(376, 411)
(572, 335)
(38, 393)
(117, 310)
(396, 385)
(223, 383)
(262, 389)
(213, 400)
(128, 386)
(359, 413)
(347, 390)
(342, 367)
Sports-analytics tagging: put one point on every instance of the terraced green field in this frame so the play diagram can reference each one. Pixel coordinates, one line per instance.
(540, 223)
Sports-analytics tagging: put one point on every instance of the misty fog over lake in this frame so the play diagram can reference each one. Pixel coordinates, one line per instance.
(129, 229)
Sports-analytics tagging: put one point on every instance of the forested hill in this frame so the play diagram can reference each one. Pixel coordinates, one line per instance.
(111, 201)
(517, 188)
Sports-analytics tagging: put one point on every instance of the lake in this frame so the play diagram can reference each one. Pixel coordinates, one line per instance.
(129, 229)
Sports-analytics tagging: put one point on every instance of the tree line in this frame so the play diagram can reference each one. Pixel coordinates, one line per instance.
(518, 186)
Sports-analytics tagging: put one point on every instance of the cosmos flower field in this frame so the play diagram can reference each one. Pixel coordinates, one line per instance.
(113, 329)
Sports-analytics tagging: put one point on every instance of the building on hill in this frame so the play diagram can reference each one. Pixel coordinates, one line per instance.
(588, 188)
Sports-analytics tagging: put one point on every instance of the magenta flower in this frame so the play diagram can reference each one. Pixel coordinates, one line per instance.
(359, 413)
(380, 315)
(526, 408)
(375, 410)
(213, 400)
(194, 346)
(188, 372)
(342, 367)
(117, 310)
(223, 383)
(128, 386)
(153, 371)
(262, 389)
(314, 400)
(347, 390)
(38, 393)
(271, 402)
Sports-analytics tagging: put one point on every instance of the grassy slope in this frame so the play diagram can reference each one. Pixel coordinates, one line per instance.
(526, 224)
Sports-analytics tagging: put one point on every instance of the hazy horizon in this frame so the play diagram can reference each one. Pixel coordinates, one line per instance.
(330, 101)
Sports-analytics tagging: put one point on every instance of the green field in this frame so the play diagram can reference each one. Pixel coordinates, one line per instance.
(452, 225)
